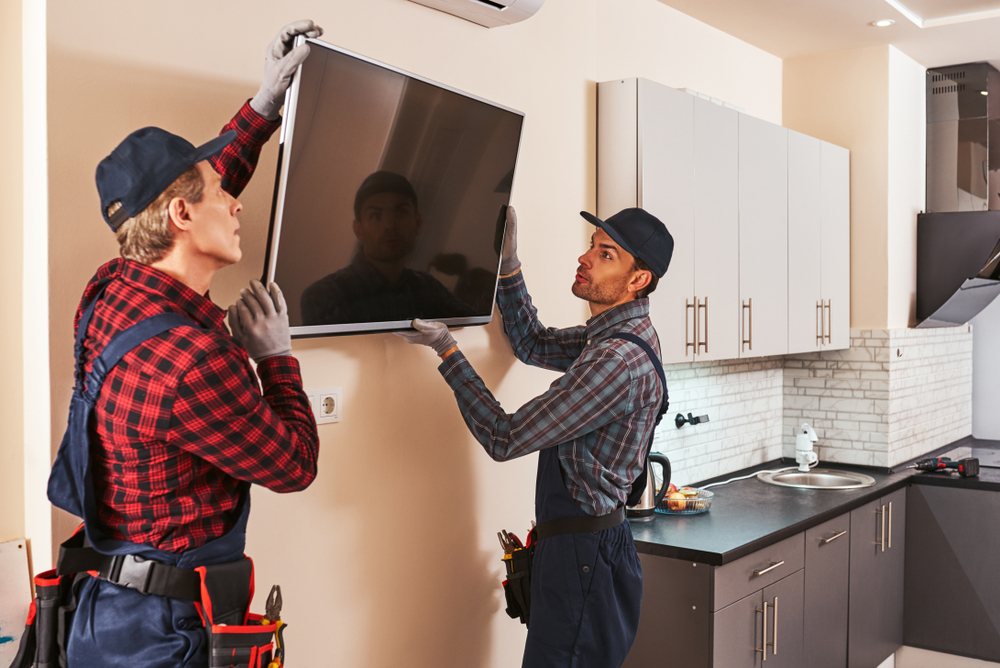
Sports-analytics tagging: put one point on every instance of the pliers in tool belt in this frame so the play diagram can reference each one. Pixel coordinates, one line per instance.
(273, 611)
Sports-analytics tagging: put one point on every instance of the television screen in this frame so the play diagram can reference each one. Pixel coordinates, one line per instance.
(390, 198)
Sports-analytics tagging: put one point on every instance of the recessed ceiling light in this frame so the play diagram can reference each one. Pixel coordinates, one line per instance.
(884, 23)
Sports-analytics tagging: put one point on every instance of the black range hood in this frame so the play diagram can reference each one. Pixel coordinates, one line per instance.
(958, 266)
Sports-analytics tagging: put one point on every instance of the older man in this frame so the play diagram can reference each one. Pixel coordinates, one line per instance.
(168, 427)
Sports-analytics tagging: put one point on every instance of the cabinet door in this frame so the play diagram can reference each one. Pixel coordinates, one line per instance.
(827, 572)
(763, 238)
(737, 632)
(716, 230)
(784, 600)
(891, 572)
(863, 619)
(666, 190)
(875, 624)
(805, 244)
(835, 206)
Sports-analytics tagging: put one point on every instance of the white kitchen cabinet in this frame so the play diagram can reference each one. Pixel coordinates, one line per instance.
(805, 244)
(835, 205)
(818, 245)
(664, 145)
(661, 138)
(760, 218)
(716, 231)
(763, 201)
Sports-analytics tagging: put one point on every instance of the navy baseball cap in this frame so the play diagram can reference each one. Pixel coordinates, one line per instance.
(144, 165)
(382, 182)
(641, 234)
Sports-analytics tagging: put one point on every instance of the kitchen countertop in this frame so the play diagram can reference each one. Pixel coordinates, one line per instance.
(748, 515)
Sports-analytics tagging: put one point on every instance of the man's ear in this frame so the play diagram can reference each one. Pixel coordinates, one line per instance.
(640, 279)
(179, 211)
(357, 229)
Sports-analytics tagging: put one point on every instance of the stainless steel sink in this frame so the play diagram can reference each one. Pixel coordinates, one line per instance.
(817, 479)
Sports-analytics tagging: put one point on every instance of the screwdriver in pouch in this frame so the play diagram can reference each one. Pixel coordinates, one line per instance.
(967, 468)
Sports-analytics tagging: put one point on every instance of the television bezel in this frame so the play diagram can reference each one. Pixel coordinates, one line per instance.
(286, 137)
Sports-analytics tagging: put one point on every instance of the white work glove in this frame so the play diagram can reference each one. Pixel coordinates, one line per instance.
(433, 334)
(280, 63)
(508, 255)
(259, 320)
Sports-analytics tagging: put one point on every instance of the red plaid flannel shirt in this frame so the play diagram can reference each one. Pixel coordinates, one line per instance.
(181, 419)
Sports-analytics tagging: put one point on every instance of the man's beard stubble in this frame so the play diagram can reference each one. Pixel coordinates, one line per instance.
(605, 294)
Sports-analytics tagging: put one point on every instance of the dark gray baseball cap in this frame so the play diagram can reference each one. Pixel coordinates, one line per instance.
(641, 234)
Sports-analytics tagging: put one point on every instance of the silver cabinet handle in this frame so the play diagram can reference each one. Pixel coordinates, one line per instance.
(705, 341)
(769, 568)
(881, 542)
(819, 323)
(747, 338)
(687, 340)
(763, 638)
(774, 632)
(890, 525)
(832, 538)
(829, 319)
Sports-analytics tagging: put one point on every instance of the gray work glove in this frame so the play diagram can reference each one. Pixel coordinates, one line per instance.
(433, 334)
(280, 63)
(259, 320)
(508, 255)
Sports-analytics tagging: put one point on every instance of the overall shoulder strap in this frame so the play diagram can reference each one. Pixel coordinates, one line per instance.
(126, 340)
(633, 338)
(639, 484)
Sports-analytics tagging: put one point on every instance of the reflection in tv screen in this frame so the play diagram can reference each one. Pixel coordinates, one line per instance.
(391, 198)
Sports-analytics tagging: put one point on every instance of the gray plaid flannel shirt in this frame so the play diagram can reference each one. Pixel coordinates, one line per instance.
(600, 413)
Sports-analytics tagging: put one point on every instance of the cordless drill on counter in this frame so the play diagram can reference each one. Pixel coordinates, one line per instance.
(967, 468)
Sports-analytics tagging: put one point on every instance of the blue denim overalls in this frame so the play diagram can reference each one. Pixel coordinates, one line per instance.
(114, 626)
(586, 588)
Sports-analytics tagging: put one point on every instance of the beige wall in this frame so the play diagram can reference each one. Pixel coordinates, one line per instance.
(843, 98)
(11, 267)
(907, 169)
(390, 557)
(870, 101)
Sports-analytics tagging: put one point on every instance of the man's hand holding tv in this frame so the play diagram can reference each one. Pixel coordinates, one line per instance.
(509, 263)
(259, 320)
(432, 334)
(280, 63)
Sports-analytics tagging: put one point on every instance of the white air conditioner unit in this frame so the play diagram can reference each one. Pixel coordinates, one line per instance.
(489, 13)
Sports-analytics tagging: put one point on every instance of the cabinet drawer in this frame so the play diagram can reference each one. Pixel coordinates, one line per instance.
(747, 574)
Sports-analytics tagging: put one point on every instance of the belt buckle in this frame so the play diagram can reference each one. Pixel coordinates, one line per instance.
(133, 572)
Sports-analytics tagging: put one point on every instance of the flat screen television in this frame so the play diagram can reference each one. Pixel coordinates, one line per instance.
(389, 200)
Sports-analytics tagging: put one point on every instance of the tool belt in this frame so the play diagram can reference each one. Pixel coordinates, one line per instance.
(518, 557)
(221, 594)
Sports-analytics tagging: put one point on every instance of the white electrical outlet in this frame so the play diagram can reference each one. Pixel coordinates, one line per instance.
(326, 404)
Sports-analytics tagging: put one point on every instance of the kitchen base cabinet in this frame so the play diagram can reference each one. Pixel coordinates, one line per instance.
(952, 589)
(675, 626)
(763, 629)
(878, 535)
(827, 574)
(702, 616)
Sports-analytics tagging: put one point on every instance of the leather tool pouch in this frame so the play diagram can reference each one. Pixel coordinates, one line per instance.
(236, 638)
(517, 586)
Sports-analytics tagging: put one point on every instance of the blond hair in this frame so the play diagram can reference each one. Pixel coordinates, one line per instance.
(146, 237)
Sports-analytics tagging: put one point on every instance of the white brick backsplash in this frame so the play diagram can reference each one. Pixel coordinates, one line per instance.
(893, 396)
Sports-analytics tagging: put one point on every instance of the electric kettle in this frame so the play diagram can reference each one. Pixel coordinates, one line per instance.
(645, 509)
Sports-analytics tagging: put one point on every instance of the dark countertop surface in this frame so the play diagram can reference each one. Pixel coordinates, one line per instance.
(748, 515)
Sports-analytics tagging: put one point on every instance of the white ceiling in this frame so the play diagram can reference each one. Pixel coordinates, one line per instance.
(953, 32)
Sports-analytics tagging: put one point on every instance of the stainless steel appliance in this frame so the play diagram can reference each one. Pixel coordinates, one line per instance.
(646, 508)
